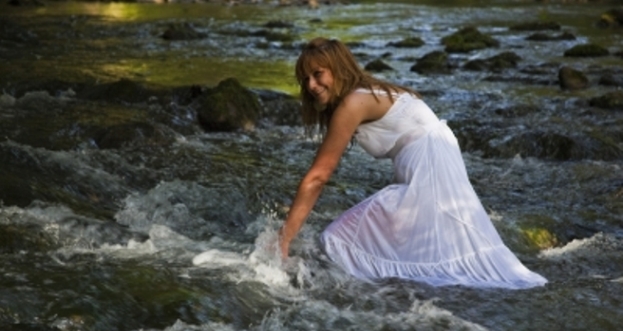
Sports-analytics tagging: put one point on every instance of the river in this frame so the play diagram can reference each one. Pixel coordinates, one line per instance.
(177, 230)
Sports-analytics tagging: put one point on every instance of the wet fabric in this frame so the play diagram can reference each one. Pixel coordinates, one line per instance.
(429, 225)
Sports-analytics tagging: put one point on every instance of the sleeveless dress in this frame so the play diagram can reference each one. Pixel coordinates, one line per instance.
(429, 225)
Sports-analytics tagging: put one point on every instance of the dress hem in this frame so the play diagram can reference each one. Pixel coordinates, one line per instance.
(459, 271)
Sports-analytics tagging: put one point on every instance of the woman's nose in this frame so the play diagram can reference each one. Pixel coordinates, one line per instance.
(311, 83)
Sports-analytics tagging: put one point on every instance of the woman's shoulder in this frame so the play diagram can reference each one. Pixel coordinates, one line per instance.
(361, 100)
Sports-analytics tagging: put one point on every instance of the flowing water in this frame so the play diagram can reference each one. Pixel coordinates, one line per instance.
(182, 235)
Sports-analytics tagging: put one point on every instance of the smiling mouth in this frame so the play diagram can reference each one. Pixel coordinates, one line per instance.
(318, 94)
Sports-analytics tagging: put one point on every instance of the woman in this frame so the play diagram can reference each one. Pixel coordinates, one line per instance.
(430, 225)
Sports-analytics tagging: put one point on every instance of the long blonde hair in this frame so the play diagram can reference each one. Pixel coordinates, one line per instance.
(347, 76)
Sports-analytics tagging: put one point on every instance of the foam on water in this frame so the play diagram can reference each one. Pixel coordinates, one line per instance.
(598, 244)
(321, 315)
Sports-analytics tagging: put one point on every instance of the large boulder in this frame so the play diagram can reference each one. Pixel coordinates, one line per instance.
(228, 107)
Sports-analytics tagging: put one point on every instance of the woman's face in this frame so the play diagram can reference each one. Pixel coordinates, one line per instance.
(319, 83)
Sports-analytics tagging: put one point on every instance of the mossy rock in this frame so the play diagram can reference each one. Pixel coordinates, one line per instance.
(611, 100)
(586, 50)
(612, 18)
(412, 42)
(544, 145)
(533, 232)
(228, 107)
(435, 62)
(498, 62)
(556, 146)
(25, 237)
(467, 40)
(572, 79)
(536, 26)
(182, 31)
(539, 36)
(377, 66)
(539, 238)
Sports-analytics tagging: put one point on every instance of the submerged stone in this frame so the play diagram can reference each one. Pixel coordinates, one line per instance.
(278, 24)
(517, 111)
(611, 100)
(572, 79)
(539, 36)
(228, 107)
(557, 146)
(412, 42)
(273, 36)
(121, 135)
(122, 90)
(435, 62)
(586, 50)
(183, 31)
(280, 108)
(536, 26)
(25, 237)
(467, 40)
(377, 65)
(611, 80)
(498, 62)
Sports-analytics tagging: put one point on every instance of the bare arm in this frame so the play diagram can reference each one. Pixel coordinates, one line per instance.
(343, 124)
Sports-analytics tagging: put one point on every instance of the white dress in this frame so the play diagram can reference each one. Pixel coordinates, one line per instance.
(429, 225)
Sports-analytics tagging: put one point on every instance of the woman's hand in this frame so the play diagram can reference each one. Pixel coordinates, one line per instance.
(284, 245)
